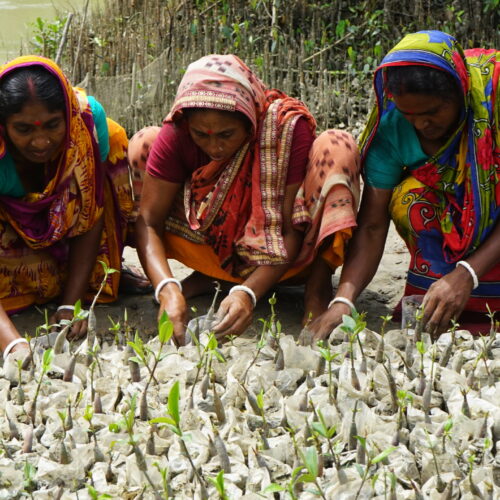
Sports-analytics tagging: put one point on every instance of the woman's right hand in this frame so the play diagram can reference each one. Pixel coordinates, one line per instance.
(172, 301)
(323, 325)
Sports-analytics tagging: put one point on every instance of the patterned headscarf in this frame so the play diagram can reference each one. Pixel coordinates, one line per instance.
(72, 200)
(466, 170)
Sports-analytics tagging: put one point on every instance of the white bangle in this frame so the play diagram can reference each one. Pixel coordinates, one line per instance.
(65, 308)
(9, 347)
(342, 300)
(247, 290)
(162, 283)
(467, 266)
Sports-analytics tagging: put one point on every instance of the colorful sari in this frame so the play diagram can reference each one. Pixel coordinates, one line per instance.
(449, 205)
(34, 229)
(235, 207)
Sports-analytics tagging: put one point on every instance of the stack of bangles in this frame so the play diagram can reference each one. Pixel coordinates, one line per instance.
(342, 300)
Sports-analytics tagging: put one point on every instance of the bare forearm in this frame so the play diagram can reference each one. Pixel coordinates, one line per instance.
(83, 251)
(363, 257)
(8, 331)
(151, 251)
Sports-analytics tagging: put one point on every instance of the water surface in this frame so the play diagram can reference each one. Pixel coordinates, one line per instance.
(16, 16)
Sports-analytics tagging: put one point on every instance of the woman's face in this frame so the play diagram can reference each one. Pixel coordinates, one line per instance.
(37, 133)
(433, 117)
(219, 135)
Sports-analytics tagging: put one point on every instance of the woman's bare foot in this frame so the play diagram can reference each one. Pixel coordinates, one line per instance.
(200, 284)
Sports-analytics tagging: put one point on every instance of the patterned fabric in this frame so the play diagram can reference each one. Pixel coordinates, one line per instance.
(325, 205)
(34, 229)
(236, 206)
(453, 208)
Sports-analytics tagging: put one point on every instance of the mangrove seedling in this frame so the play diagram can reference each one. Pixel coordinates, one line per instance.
(165, 332)
(218, 482)
(421, 374)
(274, 325)
(95, 495)
(311, 462)
(173, 422)
(328, 356)
(29, 481)
(352, 326)
(260, 345)
(364, 472)
(440, 484)
(47, 358)
(444, 432)
(328, 433)
(164, 480)
(404, 399)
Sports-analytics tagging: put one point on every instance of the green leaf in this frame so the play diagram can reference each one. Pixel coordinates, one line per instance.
(162, 420)
(219, 356)
(48, 356)
(311, 461)
(78, 308)
(88, 413)
(362, 440)
(273, 488)
(173, 403)
(306, 478)
(166, 331)
(114, 427)
(383, 455)
(348, 322)
(320, 429)
(420, 347)
(260, 399)
(448, 425)
(360, 470)
(212, 342)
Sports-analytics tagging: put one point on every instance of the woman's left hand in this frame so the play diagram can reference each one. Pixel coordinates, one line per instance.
(234, 315)
(446, 299)
(78, 329)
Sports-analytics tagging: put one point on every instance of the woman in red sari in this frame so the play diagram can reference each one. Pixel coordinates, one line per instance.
(234, 190)
(65, 195)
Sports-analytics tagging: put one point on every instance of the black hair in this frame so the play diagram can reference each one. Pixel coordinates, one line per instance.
(187, 112)
(416, 79)
(29, 84)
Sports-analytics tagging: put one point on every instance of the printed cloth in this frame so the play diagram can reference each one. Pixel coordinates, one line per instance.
(34, 229)
(454, 206)
(235, 206)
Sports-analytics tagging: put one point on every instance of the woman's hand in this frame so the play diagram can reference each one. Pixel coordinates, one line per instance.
(446, 299)
(78, 329)
(174, 304)
(234, 315)
(323, 325)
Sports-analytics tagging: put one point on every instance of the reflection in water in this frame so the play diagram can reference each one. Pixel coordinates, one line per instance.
(17, 15)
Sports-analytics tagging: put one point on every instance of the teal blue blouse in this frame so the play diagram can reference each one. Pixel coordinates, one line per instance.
(395, 150)
(10, 183)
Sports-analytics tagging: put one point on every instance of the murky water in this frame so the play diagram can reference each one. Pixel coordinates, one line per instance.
(17, 15)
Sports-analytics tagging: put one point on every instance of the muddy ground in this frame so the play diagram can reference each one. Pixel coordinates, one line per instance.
(377, 300)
